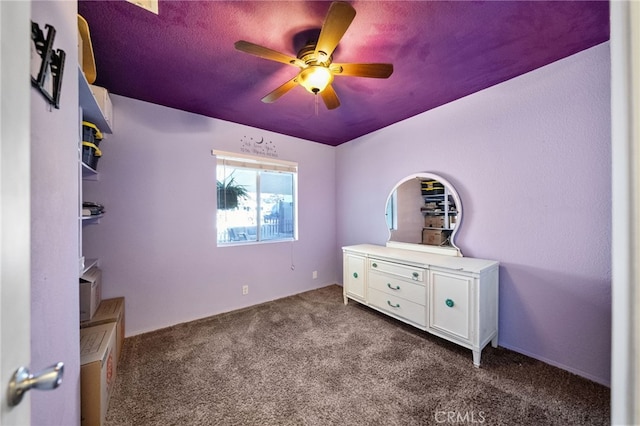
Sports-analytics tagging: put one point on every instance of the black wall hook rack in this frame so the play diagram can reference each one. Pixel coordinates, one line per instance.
(46, 75)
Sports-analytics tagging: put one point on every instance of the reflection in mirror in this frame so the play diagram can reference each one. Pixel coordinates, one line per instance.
(424, 209)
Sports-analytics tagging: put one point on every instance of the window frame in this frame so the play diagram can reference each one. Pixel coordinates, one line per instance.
(259, 164)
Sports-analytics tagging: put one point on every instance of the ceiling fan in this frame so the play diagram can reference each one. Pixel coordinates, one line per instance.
(315, 59)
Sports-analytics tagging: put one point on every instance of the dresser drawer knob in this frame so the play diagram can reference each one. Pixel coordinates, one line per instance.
(449, 303)
(397, 287)
(355, 275)
(392, 305)
(375, 265)
(415, 275)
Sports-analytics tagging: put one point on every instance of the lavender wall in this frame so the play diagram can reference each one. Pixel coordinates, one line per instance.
(55, 332)
(530, 159)
(157, 242)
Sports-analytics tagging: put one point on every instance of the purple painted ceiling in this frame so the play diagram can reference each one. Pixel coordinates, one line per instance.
(184, 57)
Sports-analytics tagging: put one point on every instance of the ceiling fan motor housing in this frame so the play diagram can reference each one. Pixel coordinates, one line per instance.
(307, 55)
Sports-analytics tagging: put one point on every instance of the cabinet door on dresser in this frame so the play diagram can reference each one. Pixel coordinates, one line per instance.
(354, 276)
(450, 299)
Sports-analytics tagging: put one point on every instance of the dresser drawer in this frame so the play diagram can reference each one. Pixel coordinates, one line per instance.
(395, 305)
(398, 270)
(391, 285)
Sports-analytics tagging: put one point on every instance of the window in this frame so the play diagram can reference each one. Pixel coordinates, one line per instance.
(256, 199)
(392, 211)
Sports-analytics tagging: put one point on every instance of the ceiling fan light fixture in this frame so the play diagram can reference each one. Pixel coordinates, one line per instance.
(315, 78)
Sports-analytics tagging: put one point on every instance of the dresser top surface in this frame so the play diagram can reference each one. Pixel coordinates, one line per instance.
(417, 258)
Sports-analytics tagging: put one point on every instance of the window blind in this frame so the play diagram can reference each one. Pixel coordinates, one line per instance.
(234, 159)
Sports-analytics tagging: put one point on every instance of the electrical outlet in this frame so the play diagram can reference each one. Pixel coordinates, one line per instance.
(245, 289)
(314, 275)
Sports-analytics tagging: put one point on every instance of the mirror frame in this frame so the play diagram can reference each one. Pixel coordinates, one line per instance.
(450, 250)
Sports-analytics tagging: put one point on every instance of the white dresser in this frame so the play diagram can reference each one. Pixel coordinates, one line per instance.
(452, 297)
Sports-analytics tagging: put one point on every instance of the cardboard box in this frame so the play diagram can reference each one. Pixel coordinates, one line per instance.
(434, 221)
(434, 237)
(110, 310)
(98, 367)
(90, 292)
(104, 101)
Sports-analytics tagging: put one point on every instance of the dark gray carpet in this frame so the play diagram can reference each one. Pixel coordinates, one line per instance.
(310, 360)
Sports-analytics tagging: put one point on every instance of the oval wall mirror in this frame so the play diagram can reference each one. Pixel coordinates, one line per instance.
(424, 209)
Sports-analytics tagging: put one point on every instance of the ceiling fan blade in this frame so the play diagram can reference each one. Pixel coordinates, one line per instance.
(335, 24)
(363, 70)
(330, 97)
(276, 94)
(266, 53)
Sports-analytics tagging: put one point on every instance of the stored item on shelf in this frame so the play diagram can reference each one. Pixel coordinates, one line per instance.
(80, 48)
(90, 154)
(92, 209)
(434, 237)
(91, 133)
(431, 205)
(98, 367)
(104, 102)
(431, 187)
(88, 60)
(110, 310)
(90, 292)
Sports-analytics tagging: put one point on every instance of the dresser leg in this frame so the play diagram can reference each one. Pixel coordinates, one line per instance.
(476, 358)
(494, 341)
(345, 298)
